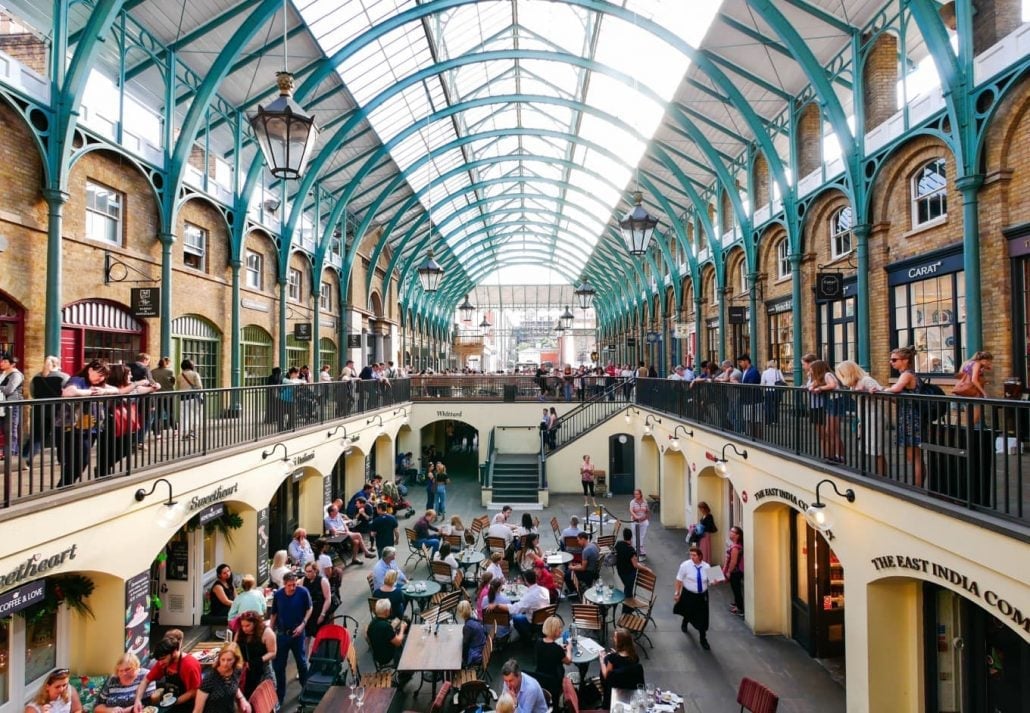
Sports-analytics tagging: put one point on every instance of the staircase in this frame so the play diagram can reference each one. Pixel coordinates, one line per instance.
(516, 478)
(586, 417)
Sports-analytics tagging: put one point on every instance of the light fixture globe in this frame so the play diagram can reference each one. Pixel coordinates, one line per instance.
(585, 293)
(638, 227)
(430, 274)
(567, 318)
(722, 468)
(818, 517)
(285, 132)
(466, 308)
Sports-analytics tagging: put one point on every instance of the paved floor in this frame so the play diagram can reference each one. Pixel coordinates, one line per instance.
(708, 680)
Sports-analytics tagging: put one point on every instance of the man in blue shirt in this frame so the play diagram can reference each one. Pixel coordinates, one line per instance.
(529, 697)
(752, 398)
(291, 609)
(388, 562)
(384, 527)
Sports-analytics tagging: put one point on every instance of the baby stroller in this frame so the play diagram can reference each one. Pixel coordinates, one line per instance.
(395, 502)
(329, 650)
(308, 405)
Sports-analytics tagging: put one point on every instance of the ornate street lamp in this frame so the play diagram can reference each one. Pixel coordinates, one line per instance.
(585, 294)
(430, 273)
(485, 324)
(467, 308)
(566, 318)
(638, 227)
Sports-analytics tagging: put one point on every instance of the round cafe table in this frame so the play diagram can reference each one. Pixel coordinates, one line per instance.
(468, 558)
(558, 559)
(421, 598)
(611, 599)
(587, 651)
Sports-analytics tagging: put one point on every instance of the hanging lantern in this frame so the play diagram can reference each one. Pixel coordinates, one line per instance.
(430, 273)
(585, 294)
(285, 132)
(566, 318)
(467, 308)
(638, 227)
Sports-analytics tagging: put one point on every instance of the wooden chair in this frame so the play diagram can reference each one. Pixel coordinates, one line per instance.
(379, 679)
(635, 624)
(441, 573)
(479, 671)
(497, 618)
(617, 528)
(264, 699)
(542, 615)
(753, 696)
(454, 541)
(496, 544)
(571, 698)
(459, 580)
(473, 693)
(371, 583)
(506, 570)
(414, 551)
(449, 603)
(435, 615)
(645, 592)
(440, 702)
(372, 606)
(587, 616)
(556, 529)
(572, 545)
(606, 544)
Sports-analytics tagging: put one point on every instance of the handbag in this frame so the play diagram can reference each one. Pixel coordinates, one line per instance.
(126, 419)
(965, 387)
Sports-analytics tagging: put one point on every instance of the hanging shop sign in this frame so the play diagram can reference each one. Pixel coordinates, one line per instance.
(177, 563)
(654, 337)
(829, 286)
(302, 331)
(137, 613)
(738, 315)
(955, 578)
(145, 301)
(37, 565)
(780, 306)
(354, 341)
(682, 330)
(212, 512)
(17, 599)
(219, 493)
(262, 546)
(631, 341)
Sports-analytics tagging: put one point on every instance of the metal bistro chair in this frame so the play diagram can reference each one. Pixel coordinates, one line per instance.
(540, 616)
(635, 625)
(371, 583)
(496, 544)
(454, 541)
(572, 546)
(556, 529)
(441, 573)
(588, 617)
(379, 679)
(753, 696)
(415, 552)
(498, 618)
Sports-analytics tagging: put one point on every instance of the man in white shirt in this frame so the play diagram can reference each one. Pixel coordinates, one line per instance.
(499, 528)
(535, 597)
(388, 562)
(691, 597)
(677, 374)
(640, 514)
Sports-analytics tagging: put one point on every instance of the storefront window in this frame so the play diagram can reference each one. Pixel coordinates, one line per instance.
(197, 340)
(712, 340)
(837, 328)
(40, 646)
(257, 355)
(209, 562)
(1024, 317)
(928, 315)
(5, 660)
(296, 353)
(327, 355)
(781, 336)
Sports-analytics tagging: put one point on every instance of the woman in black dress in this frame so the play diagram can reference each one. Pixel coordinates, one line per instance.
(258, 647)
(626, 562)
(551, 656)
(321, 598)
(222, 595)
(220, 688)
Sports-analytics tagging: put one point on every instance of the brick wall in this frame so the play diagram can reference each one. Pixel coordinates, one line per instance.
(28, 49)
(993, 20)
(810, 140)
(761, 180)
(880, 79)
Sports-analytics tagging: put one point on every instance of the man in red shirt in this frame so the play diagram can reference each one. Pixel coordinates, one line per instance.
(181, 676)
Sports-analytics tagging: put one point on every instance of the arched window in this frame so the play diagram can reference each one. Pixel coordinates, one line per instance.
(257, 355)
(197, 339)
(297, 352)
(840, 232)
(327, 355)
(742, 286)
(783, 267)
(930, 192)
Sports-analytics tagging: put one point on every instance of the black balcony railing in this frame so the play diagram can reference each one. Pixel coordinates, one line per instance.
(967, 451)
(65, 442)
(485, 387)
(595, 410)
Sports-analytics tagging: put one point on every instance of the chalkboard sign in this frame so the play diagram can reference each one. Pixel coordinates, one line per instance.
(262, 546)
(137, 613)
(327, 491)
(177, 566)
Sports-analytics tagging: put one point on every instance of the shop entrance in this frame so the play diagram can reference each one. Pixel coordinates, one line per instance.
(96, 329)
(284, 512)
(817, 592)
(191, 557)
(974, 662)
(622, 475)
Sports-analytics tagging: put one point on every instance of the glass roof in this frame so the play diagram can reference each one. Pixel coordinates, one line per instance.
(530, 181)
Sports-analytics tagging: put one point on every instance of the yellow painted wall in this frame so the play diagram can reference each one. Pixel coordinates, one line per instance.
(894, 625)
(674, 490)
(98, 642)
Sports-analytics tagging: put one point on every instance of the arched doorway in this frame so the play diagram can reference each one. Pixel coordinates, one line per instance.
(99, 329)
(198, 340)
(12, 328)
(676, 491)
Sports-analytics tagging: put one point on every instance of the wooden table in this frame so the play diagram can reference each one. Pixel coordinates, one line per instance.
(335, 700)
(205, 652)
(624, 697)
(435, 651)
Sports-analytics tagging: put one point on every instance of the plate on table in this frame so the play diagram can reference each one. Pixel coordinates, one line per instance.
(150, 709)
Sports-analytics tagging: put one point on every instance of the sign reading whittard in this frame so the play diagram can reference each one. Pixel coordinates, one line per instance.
(220, 493)
(952, 576)
(23, 596)
(36, 565)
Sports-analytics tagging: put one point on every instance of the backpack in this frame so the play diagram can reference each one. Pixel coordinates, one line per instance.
(932, 410)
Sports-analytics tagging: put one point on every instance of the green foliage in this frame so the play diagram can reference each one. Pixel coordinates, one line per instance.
(70, 589)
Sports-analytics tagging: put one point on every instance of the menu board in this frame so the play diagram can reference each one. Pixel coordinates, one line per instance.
(137, 613)
(327, 491)
(262, 545)
(177, 566)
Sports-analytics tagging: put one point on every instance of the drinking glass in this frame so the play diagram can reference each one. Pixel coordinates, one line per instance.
(352, 684)
(361, 696)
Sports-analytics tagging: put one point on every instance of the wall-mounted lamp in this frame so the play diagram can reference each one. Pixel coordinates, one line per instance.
(674, 440)
(651, 418)
(630, 413)
(337, 430)
(377, 416)
(720, 463)
(265, 455)
(816, 513)
(172, 510)
(404, 418)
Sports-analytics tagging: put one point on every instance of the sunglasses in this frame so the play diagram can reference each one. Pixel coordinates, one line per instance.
(894, 359)
(56, 674)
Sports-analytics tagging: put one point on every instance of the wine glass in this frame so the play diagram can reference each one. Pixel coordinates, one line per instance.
(361, 696)
(353, 683)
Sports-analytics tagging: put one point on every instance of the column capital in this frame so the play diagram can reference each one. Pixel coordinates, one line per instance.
(55, 196)
(969, 183)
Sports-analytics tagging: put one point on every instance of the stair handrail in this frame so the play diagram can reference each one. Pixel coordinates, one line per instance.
(490, 461)
(600, 401)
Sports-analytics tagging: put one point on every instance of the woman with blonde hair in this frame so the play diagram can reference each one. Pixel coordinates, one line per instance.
(119, 691)
(870, 423)
(909, 429)
(971, 380)
(473, 635)
(280, 566)
(55, 695)
(552, 656)
(220, 690)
